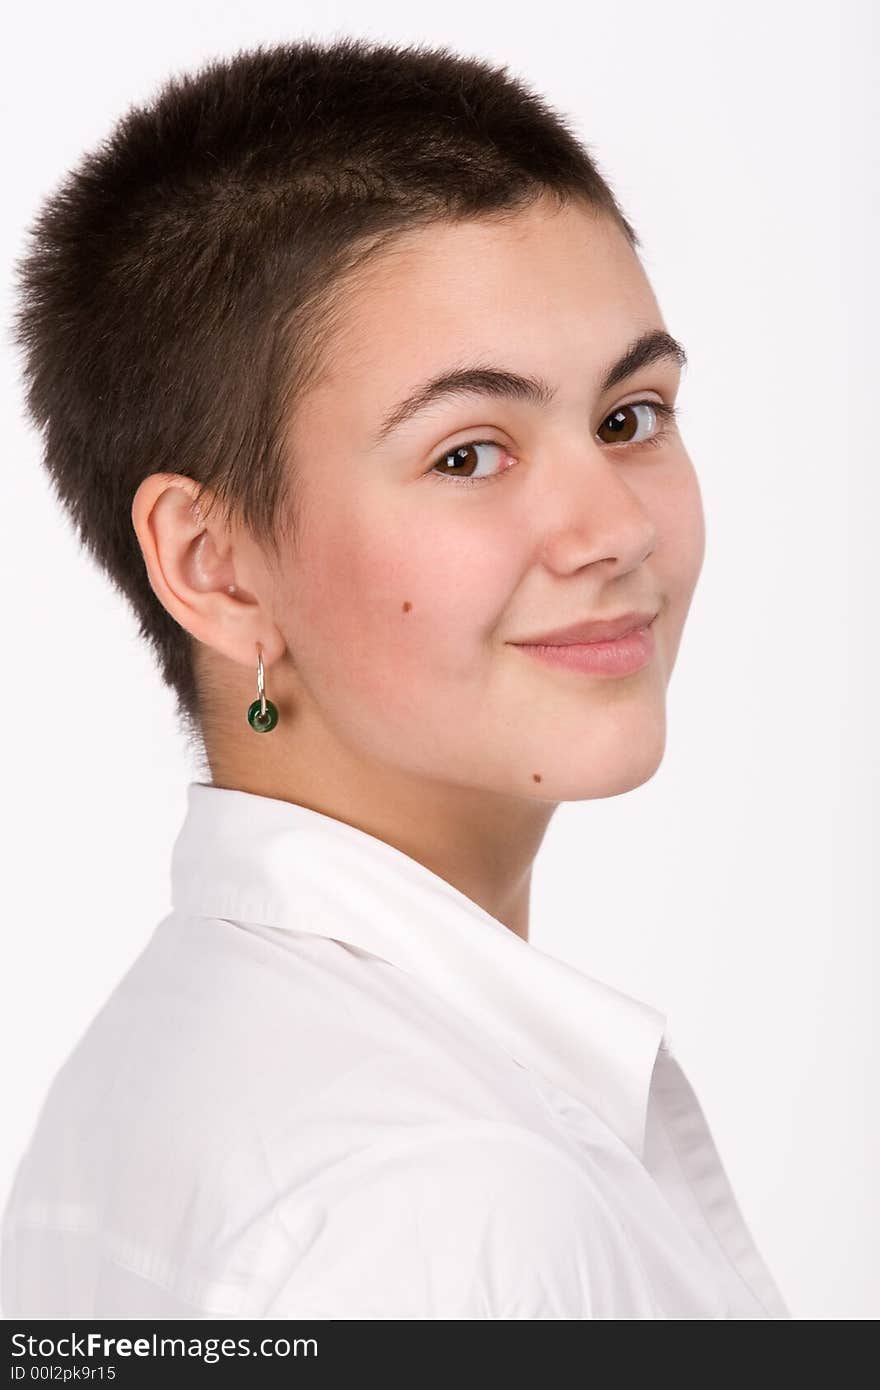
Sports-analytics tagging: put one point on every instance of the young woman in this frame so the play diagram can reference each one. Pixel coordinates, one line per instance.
(354, 383)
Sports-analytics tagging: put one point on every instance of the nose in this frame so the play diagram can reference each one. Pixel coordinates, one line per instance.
(591, 514)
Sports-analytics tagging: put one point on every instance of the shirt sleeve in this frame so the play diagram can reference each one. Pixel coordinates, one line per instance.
(488, 1222)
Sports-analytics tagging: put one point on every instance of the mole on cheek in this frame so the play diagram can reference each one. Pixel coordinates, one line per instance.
(407, 606)
(536, 776)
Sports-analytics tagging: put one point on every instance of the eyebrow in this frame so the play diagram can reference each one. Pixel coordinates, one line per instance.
(656, 345)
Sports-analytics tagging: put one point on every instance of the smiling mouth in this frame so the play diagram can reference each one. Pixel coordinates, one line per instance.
(593, 629)
(617, 656)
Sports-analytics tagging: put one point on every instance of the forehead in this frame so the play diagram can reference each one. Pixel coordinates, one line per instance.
(537, 290)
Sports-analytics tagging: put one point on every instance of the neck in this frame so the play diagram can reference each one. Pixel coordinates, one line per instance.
(482, 842)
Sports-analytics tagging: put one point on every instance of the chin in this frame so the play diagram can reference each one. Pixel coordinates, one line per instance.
(593, 788)
(615, 766)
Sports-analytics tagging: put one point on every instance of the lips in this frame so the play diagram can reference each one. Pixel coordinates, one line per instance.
(599, 630)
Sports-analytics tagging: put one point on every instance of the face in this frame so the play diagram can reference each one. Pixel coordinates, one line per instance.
(486, 520)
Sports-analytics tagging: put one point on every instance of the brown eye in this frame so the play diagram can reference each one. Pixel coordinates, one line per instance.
(462, 462)
(624, 426)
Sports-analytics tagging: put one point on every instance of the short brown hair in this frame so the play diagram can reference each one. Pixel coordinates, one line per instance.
(181, 285)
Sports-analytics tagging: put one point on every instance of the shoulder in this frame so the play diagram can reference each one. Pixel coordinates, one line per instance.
(485, 1220)
(277, 1033)
(240, 1060)
(312, 1127)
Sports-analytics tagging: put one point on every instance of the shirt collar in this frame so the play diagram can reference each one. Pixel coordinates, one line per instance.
(245, 857)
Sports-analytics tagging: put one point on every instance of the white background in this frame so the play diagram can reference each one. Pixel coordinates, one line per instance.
(736, 890)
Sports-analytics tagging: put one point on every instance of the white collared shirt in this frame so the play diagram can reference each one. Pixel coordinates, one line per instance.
(333, 1086)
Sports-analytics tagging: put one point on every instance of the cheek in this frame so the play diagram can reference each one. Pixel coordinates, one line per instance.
(681, 540)
(684, 525)
(392, 611)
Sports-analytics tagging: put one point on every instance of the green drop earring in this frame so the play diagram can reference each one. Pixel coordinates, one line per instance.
(262, 714)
